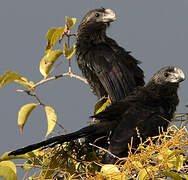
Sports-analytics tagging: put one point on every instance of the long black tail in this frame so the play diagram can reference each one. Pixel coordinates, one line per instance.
(92, 130)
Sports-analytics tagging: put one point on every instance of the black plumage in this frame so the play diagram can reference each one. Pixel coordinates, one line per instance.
(147, 108)
(109, 69)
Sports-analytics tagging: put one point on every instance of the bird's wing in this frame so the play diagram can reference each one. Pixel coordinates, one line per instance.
(115, 110)
(114, 71)
(145, 119)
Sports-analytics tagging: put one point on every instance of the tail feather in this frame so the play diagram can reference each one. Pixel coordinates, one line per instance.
(94, 129)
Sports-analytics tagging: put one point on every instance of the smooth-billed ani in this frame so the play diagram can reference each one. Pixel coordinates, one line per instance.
(147, 108)
(109, 69)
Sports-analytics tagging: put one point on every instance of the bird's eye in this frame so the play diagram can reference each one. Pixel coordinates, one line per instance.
(166, 74)
(97, 14)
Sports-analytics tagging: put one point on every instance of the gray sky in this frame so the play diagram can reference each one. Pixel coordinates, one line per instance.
(155, 31)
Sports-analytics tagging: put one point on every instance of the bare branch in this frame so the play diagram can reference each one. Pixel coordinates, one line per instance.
(59, 76)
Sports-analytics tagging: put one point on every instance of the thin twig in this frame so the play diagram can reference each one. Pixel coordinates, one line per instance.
(61, 126)
(29, 165)
(36, 97)
(53, 69)
(70, 66)
(67, 34)
(68, 43)
(71, 34)
(30, 93)
(104, 150)
(26, 174)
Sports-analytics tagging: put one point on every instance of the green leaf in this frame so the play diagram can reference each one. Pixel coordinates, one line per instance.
(101, 105)
(5, 156)
(8, 170)
(68, 53)
(48, 61)
(70, 22)
(52, 36)
(179, 162)
(24, 113)
(51, 119)
(9, 76)
(24, 82)
(172, 175)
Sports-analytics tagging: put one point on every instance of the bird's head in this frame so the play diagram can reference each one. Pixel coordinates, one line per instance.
(97, 19)
(169, 75)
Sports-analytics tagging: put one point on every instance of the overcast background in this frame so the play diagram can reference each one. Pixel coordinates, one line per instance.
(155, 31)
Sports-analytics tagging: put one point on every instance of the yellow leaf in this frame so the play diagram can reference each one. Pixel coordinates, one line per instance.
(6, 156)
(142, 174)
(175, 152)
(24, 113)
(184, 176)
(68, 53)
(48, 60)
(50, 33)
(9, 76)
(24, 82)
(10, 164)
(52, 36)
(179, 162)
(172, 175)
(171, 163)
(70, 22)
(51, 119)
(109, 168)
(8, 170)
(101, 105)
(137, 164)
(168, 157)
(111, 171)
(36, 152)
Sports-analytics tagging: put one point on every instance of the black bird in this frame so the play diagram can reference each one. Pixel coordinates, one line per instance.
(147, 108)
(109, 69)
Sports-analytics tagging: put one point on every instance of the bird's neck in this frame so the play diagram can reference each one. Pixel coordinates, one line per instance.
(165, 95)
(161, 90)
(89, 38)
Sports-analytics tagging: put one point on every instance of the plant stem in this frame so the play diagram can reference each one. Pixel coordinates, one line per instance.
(59, 76)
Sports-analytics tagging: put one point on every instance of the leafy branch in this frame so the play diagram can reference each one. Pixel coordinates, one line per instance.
(46, 69)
